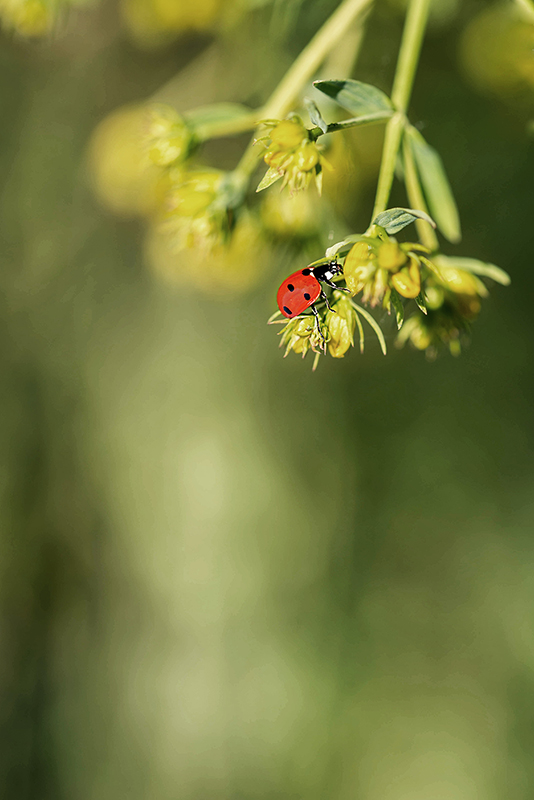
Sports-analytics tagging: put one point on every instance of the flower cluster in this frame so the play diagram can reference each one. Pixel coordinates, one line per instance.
(196, 211)
(375, 266)
(167, 137)
(293, 155)
(452, 301)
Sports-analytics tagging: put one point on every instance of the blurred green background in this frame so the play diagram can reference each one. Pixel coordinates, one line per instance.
(225, 576)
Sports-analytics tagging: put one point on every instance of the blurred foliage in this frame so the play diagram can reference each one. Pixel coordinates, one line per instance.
(223, 576)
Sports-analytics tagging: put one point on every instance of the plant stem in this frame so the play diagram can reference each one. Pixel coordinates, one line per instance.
(412, 39)
(301, 71)
(416, 198)
(311, 58)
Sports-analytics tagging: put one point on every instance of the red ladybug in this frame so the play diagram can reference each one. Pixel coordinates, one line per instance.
(301, 290)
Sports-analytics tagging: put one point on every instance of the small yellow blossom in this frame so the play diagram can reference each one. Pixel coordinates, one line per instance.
(341, 323)
(293, 156)
(374, 267)
(167, 138)
(196, 212)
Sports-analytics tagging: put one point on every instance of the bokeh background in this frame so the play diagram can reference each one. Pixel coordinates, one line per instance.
(225, 576)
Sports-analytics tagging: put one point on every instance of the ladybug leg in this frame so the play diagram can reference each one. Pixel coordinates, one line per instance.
(318, 323)
(336, 286)
(325, 298)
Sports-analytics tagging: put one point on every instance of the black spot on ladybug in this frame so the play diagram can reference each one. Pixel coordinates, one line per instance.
(306, 271)
(307, 296)
(287, 310)
(290, 287)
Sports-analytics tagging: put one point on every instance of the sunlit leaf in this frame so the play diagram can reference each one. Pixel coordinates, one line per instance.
(398, 307)
(315, 115)
(395, 219)
(476, 267)
(357, 97)
(271, 176)
(436, 186)
(421, 303)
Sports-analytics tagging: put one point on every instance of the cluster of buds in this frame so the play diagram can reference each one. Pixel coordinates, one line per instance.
(375, 266)
(336, 334)
(292, 154)
(167, 137)
(452, 300)
(196, 209)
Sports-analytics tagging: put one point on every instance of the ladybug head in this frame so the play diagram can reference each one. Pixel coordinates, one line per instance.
(327, 271)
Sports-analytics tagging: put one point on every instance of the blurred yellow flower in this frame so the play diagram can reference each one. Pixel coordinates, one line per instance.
(167, 137)
(123, 179)
(27, 17)
(230, 268)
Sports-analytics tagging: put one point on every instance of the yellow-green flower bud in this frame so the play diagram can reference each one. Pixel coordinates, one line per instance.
(196, 193)
(459, 281)
(390, 256)
(358, 267)
(297, 334)
(434, 297)
(408, 281)
(341, 322)
(168, 138)
(307, 156)
(288, 134)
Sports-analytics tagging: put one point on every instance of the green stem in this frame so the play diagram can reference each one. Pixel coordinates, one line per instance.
(301, 71)
(412, 39)
(310, 59)
(416, 198)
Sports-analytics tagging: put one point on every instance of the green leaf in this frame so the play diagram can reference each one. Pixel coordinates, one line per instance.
(271, 176)
(395, 219)
(398, 307)
(421, 303)
(373, 323)
(357, 97)
(205, 118)
(315, 115)
(436, 186)
(364, 119)
(476, 267)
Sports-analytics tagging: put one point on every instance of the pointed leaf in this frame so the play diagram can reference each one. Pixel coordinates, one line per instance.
(398, 307)
(395, 219)
(421, 303)
(476, 267)
(357, 97)
(315, 115)
(373, 323)
(360, 121)
(436, 186)
(271, 176)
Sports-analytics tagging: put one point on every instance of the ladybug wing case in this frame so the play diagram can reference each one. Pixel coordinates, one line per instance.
(297, 293)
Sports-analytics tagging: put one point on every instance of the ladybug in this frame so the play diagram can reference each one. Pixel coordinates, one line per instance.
(303, 288)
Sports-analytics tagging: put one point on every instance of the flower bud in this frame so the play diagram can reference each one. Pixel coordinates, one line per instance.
(195, 194)
(167, 136)
(288, 134)
(390, 256)
(408, 280)
(341, 322)
(460, 281)
(306, 157)
(358, 267)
